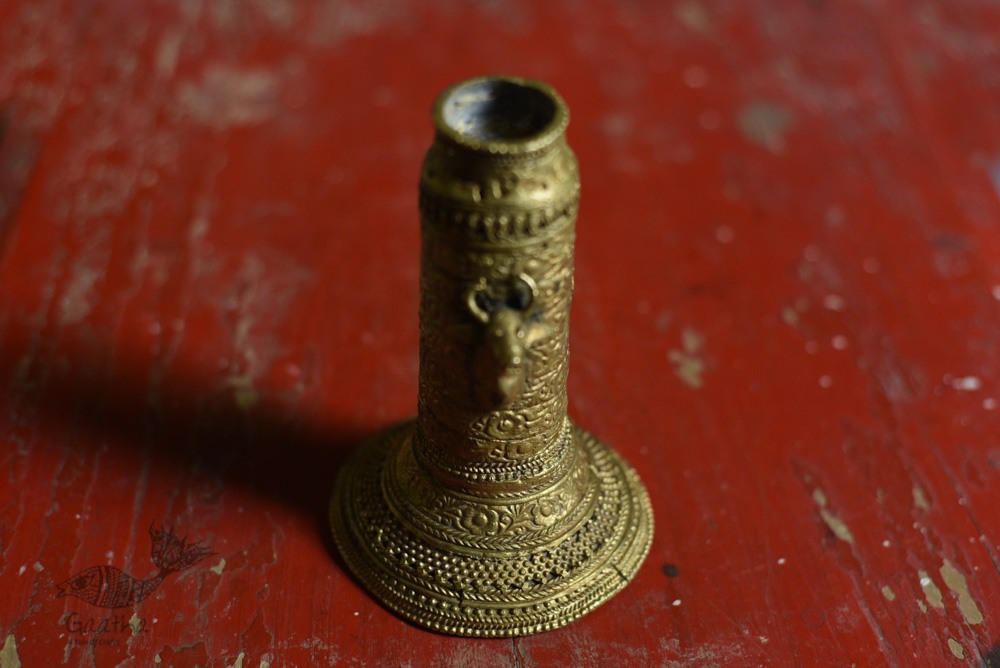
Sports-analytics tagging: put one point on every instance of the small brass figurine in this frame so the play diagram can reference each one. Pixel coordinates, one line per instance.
(491, 513)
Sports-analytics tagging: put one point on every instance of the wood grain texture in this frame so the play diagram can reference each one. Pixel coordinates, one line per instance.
(786, 317)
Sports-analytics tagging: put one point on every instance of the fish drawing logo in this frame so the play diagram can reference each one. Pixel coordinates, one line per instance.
(109, 587)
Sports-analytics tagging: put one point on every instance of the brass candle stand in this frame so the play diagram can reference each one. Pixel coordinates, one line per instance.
(491, 513)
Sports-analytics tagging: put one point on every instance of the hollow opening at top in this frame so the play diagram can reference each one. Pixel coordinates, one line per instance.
(491, 110)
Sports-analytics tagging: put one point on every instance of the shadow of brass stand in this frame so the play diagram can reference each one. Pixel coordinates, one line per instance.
(491, 513)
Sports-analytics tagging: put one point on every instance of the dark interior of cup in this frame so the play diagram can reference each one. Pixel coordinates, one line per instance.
(498, 110)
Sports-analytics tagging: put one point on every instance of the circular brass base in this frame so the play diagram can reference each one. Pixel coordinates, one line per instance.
(450, 583)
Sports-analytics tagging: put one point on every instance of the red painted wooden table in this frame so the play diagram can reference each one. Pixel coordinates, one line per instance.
(786, 317)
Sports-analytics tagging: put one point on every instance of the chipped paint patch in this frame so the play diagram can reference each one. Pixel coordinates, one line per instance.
(219, 567)
(694, 16)
(955, 581)
(765, 124)
(956, 648)
(688, 365)
(931, 591)
(246, 397)
(8, 653)
(834, 523)
(75, 303)
(922, 606)
(239, 661)
(920, 499)
(135, 623)
(889, 594)
(227, 97)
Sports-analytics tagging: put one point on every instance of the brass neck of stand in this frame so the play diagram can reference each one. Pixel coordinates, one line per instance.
(498, 210)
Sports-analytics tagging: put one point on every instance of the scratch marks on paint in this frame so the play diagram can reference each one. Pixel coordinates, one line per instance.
(931, 591)
(8, 654)
(834, 523)
(765, 124)
(956, 648)
(955, 581)
(687, 362)
(227, 97)
(889, 594)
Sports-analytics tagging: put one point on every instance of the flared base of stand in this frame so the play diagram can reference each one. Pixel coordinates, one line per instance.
(518, 586)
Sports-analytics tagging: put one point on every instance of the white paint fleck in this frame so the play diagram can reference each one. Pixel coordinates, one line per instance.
(956, 648)
(724, 234)
(931, 591)
(23, 568)
(966, 383)
(920, 498)
(219, 567)
(676, 603)
(688, 365)
(888, 593)
(886, 543)
(763, 639)
(239, 661)
(75, 305)
(834, 302)
(694, 16)
(356, 613)
(834, 523)
(765, 124)
(790, 316)
(227, 97)
(167, 53)
(835, 216)
(825, 381)
(38, 567)
(839, 342)
(782, 561)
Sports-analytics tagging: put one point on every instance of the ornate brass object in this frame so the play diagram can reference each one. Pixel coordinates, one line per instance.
(491, 513)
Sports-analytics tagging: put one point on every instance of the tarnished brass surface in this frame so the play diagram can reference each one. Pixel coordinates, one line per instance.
(491, 513)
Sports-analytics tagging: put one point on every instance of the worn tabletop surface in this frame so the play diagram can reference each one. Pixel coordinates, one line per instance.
(786, 317)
